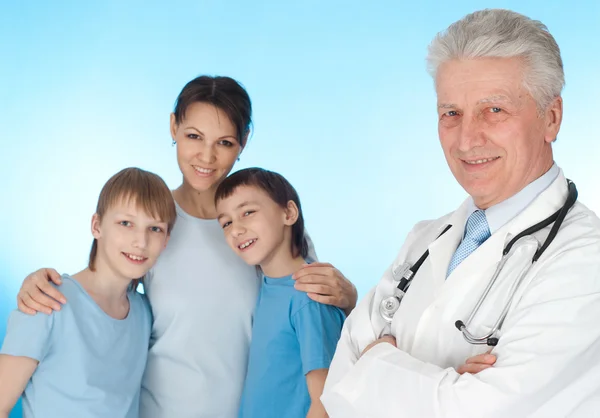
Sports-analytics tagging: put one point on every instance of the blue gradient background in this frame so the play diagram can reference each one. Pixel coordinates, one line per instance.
(343, 108)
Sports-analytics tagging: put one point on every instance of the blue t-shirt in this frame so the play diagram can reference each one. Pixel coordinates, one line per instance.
(90, 365)
(291, 335)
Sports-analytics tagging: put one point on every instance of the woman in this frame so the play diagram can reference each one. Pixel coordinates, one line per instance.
(202, 295)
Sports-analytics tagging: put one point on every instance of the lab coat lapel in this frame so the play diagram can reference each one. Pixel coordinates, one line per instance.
(486, 255)
(442, 249)
(490, 252)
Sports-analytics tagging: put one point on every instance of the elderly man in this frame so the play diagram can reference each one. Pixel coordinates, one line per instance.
(498, 77)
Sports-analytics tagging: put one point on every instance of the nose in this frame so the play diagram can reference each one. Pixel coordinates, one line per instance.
(471, 134)
(237, 230)
(140, 239)
(207, 153)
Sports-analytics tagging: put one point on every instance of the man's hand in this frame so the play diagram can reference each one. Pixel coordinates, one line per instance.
(385, 339)
(476, 364)
(473, 365)
(326, 284)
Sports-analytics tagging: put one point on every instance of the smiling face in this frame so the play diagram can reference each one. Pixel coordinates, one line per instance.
(493, 137)
(129, 240)
(257, 228)
(207, 145)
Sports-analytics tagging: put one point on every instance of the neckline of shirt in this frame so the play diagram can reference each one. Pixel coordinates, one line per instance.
(285, 280)
(500, 214)
(182, 213)
(95, 304)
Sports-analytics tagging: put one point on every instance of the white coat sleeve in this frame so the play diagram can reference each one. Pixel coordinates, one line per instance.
(349, 346)
(547, 358)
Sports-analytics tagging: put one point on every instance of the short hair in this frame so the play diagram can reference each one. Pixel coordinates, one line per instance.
(279, 190)
(146, 190)
(500, 33)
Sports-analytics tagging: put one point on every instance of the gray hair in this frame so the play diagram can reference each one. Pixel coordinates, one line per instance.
(502, 33)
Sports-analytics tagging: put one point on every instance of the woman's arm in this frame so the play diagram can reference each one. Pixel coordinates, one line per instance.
(315, 380)
(15, 373)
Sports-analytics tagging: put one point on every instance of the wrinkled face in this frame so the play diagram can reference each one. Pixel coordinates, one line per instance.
(207, 146)
(129, 240)
(492, 135)
(256, 227)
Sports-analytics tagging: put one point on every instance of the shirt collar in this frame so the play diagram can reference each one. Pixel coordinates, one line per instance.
(500, 214)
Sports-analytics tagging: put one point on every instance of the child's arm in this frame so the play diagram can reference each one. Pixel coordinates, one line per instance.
(15, 372)
(25, 344)
(315, 380)
(318, 329)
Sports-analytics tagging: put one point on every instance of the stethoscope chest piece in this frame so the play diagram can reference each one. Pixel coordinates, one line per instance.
(388, 308)
(390, 305)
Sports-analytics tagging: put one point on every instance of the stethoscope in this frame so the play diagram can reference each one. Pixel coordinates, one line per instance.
(391, 304)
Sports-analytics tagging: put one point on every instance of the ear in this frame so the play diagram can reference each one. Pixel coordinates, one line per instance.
(167, 241)
(291, 213)
(96, 226)
(173, 126)
(553, 117)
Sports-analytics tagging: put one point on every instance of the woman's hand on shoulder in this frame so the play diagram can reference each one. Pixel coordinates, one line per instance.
(326, 284)
(38, 295)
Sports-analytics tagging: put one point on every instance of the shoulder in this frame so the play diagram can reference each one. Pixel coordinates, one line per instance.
(18, 321)
(421, 235)
(69, 287)
(303, 306)
(299, 301)
(429, 227)
(578, 235)
(28, 335)
(570, 266)
(585, 221)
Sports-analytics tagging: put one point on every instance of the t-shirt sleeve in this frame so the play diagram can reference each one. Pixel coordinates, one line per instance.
(318, 328)
(28, 336)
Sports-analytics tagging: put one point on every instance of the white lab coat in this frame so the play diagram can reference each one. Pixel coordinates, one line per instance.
(549, 351)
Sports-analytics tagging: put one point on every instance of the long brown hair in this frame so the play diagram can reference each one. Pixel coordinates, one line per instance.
(145, 189)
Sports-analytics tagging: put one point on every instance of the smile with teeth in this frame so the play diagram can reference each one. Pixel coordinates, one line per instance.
(202, 170)
(246, 244)
(135, 258)
(481, 161)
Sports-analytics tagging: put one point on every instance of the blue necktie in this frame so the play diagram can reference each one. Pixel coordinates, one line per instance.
(476, 232)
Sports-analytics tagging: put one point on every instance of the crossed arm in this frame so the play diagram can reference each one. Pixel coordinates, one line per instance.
(546, 352)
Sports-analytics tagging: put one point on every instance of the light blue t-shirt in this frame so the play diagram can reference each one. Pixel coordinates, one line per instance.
(90, 365)
(291, 336)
